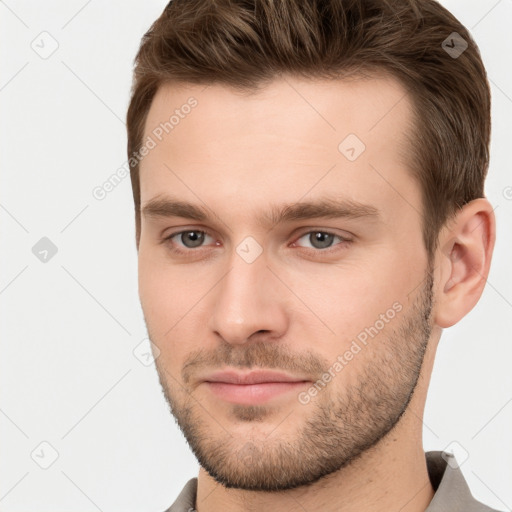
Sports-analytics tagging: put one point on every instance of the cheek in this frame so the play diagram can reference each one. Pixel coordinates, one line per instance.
(161, 296)
(172, 303)
(350, 299)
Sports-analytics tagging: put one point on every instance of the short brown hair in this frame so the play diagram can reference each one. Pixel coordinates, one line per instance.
(247, 43)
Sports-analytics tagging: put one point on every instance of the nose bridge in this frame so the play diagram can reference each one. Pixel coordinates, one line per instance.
(245, 301)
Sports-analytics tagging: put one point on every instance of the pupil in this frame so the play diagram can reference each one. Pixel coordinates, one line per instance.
(324, 239)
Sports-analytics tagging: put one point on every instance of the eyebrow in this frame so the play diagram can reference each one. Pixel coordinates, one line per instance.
(327, 208)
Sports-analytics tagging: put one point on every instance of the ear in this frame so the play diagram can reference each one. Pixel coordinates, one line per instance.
(464, 259)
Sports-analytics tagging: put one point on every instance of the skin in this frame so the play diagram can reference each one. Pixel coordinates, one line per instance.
(297, 307)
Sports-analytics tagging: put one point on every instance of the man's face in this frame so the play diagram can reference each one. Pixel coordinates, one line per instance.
(339, 305)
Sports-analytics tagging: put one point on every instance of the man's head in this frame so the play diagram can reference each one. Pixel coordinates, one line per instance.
(262, 126)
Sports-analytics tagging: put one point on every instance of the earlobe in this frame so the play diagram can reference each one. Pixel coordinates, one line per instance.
(464, 259)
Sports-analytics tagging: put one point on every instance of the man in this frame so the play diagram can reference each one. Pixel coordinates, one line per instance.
(308, 184)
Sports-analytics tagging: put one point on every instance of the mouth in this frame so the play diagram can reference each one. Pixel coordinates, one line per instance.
(255, 387)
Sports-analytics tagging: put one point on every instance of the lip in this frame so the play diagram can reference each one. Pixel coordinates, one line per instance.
(253, 387)
(254, 377)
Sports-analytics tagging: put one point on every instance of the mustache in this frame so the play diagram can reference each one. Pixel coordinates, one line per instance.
(268, 355)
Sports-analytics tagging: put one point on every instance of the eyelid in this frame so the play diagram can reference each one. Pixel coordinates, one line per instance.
(328, 231)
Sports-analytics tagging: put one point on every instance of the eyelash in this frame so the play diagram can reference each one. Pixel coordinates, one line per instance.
(344, 241)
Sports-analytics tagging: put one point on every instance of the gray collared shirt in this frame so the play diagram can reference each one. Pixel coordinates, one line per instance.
(452, 493)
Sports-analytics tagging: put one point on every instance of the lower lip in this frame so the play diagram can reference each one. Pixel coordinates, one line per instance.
(250, 394)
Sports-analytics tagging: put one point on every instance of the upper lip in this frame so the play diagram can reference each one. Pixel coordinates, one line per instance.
(253, 377)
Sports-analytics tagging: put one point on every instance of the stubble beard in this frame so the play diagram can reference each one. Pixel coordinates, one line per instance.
(339, 427)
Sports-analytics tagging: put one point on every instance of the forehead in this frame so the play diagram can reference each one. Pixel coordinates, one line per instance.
(295, 137)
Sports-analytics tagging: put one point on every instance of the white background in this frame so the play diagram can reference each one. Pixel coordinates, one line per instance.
(69, 326)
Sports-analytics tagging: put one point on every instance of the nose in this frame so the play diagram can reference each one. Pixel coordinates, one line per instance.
(248, 302)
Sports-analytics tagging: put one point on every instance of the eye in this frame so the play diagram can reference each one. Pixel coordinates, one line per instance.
(322, 239)
(189, 239)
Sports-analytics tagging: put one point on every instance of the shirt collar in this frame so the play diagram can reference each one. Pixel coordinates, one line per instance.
(452, 493)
